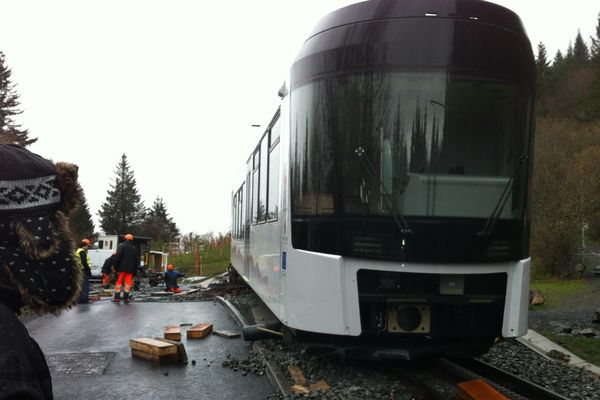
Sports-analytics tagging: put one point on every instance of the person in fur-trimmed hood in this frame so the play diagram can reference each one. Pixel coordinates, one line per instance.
(37, 264)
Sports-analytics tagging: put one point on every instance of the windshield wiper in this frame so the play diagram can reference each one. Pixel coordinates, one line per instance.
(396, 215)
(491, 221)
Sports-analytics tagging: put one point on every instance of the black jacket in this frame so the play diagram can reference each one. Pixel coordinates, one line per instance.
(108, 264)
(171, 278)
(127, 258)
(24, 373)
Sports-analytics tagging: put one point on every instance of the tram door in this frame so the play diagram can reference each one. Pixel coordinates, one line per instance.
(246, 222)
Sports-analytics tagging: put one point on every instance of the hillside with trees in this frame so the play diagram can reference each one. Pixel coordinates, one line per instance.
(566, 184)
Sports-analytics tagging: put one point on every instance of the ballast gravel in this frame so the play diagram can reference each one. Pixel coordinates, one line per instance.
(354, 380)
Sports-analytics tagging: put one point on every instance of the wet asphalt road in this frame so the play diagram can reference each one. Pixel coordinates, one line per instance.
(79, 342)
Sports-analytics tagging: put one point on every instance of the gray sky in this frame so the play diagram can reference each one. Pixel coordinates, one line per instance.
(176, 85)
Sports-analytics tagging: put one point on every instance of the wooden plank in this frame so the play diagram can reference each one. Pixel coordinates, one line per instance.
(478, 389)
(152, 346)
(172, 332)
(300, 389)
(319, 385)
(186, 292)
(297, 375)
(183, 358)
(155, 294)
(199, 331)
(271, 331)
(156, 359)
(226, 334)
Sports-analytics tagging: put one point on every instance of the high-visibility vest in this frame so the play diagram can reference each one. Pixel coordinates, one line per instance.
(78, 258)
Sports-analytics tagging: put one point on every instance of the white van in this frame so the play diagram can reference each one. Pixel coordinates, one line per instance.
(98, 257)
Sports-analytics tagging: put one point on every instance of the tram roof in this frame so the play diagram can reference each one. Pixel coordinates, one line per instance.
(474, 10)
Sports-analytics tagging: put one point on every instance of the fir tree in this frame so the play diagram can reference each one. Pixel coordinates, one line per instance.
(593, 99)
(123, 210)
(570, 53)
(543, 69)
(81, 222)
(595, 47)
(581, 54)
(159, 225)
(10, 131)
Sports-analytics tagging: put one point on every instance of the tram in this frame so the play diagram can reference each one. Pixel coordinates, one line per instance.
(386, 207)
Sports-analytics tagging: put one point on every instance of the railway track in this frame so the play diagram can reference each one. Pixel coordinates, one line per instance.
(443, 378)
(435, 379)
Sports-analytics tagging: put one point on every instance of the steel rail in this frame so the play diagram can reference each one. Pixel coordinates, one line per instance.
(512, 386)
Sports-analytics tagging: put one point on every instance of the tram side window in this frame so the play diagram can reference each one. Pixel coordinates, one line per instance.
(263, 184)
(255, 209)
(241, 212)
(273, 201)
(234, 203)
(238, 207)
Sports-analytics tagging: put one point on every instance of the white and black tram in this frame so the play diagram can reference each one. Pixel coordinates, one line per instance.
(386, 207)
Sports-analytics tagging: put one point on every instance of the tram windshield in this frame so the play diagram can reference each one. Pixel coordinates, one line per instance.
(420, 146)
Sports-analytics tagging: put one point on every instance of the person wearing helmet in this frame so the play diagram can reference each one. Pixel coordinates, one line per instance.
(84, 262)
(126, 262)
(171, 279)
(108, 271)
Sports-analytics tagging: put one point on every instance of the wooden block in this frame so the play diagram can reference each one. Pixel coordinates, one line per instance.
(156, 359)
(151, 346)
(319, 385)
(477, 389)
(199, 331)
(160, 293)
(180, 349)
(173, 332)
(186, 292)
(297, 375)
(300, 389)
(226, 334)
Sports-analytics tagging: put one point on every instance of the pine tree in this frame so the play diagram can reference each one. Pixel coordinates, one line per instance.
(10, 131)
(81, 222)
(123, 210)
(159, 225)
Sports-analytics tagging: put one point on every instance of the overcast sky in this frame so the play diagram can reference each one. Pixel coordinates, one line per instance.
(176, 85)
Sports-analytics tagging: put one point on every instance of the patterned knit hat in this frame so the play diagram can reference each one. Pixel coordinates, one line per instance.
(36, 249)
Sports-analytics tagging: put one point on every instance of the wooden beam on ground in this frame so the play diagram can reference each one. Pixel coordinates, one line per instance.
(172, 332)
(478, 389)
(158, 360)
(299, 389)
(153, 350)
(180, 349)
(319, 385)
(199, 331)
(152, 346)
(227, 334)
(297, 375)
(186, 292)
(160, 294)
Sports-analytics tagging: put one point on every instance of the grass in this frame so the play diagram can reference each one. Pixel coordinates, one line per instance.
(586, 348)
(558, 292)
(214, 261)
